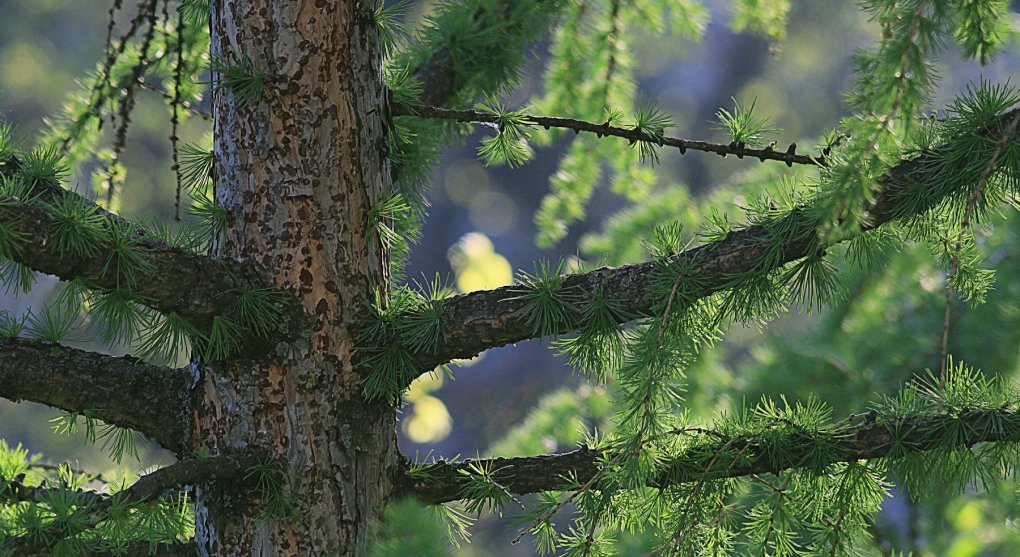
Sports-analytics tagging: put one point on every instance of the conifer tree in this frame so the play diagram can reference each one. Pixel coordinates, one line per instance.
(270, 335)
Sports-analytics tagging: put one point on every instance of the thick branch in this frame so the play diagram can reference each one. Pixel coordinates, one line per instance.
(196, 287)
(148, 488)
(740, 150)
(730, 457)
(121, 391)
(486, 319)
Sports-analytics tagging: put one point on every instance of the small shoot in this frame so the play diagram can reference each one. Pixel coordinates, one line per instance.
(167, 338)
(195, 12)
(651, 122)
(11, 239)
(813, 282)
(196, 165)
(258, 310)
(404, 88)
(16, 278)
(510, 145)
(212, 219)
(389, 21)
(549, 305)
(271, 486)
(598, 347)
(742, 125)
(178, 235)
(76, 226)
(8, 148)
(11, 327)
(44, 166)
(124, 259)
(116, 315)
(225, 339)
(456, 522)
(423, 327)
(243, 79)
(120, 442)
(480, 491)
(50, 325)
(394, 222)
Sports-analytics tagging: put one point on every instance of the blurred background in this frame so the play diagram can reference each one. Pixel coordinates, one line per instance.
(481, 227)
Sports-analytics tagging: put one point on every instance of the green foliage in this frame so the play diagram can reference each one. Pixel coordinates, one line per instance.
(166, 337)
(50, 325)
(195, 165)
(661, 469)
(651, 121)
(44, 166)
(224, 339)
(742, 125)
(76, 226)
(762, 16)
(258, 310)
(389, 21)
(396, 225)
(124, 259)
(195, 12)
(212, 218)
(403, 87)
(982, 26)
(242, 78)
(548, 303)
(510, 145)
(272, 487)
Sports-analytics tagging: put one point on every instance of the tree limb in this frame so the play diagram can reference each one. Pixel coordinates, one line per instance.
(172, 280)
(148, 488)
(121, 391)
(477, 321)
(740, 150)
(715, 457)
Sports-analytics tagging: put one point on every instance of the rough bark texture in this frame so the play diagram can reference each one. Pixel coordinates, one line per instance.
(118, 390)
(297, 171)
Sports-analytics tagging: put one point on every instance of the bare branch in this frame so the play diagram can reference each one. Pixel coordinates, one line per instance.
(714, 457)
(477, 321)
(740, 150)
(121, 391)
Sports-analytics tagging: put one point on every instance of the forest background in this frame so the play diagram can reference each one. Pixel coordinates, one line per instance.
(481, 226)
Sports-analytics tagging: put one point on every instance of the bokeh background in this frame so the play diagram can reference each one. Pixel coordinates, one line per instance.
(480, 223)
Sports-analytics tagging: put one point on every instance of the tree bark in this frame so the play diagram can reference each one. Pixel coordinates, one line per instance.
(298, 170)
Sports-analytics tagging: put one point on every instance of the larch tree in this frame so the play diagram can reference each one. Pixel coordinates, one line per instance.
(271, 334)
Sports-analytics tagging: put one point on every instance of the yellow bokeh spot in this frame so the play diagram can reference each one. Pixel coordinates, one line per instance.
(477, 265)
(968, 518)
(429, 421)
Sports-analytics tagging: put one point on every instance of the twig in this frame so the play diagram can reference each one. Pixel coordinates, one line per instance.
(740, 150)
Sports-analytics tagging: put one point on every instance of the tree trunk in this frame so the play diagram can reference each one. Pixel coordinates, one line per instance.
(297, 170)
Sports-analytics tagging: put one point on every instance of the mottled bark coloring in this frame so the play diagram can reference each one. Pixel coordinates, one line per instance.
(297, 172)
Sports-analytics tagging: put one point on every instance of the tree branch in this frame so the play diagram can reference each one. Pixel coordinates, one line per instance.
(716, 457)
(121, 391)
(148, 488)
(477, 321)
(740, 150)
(171, 280)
